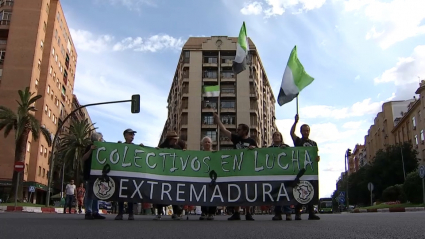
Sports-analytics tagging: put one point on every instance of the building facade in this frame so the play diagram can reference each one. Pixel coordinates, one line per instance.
(36, 51)
(244, 98)
(410, 124)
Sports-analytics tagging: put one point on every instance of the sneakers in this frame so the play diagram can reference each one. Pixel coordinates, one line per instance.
(176, 217)
(203, 217)
(235, 217)
(97, 216)
(88, 216)
(288, 217)
(313, 217)
(249, 217)
(277, 217)
(210, 217)
(119, 217)
(157, 217)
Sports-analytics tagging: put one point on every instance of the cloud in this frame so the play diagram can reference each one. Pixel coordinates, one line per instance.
(406, 74)
(87, 41)
(278, 7)
(357, 109)
(133, 4)
(253, 8)
(152, 44)
(357, 77)
(352, 124)
(398, 19)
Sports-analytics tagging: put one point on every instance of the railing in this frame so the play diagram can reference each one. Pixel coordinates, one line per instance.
(5, 22)
(6, 3)
(227, 90)
(210, 60)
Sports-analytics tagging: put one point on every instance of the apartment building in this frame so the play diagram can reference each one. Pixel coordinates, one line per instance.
(356, 160)
(36, 51)
(410, 124)
(379, 134)
(244, 98)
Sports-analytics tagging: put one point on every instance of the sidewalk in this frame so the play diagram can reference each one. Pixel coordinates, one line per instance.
(39, 209)
(392, 209)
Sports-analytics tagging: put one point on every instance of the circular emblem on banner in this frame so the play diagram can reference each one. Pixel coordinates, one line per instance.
(104, 189)
(303, 192)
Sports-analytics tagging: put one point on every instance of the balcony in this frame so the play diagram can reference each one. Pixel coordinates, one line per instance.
(227, 61)
(210, 61)
(227, 76)
(208, 125)
(228, 92)
(225, 141)
(209, 76)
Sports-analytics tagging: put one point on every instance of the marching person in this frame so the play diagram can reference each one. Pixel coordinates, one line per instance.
(207, 212)
(278, 142)
(128, 137)
(240, 140)
(304, 141)
(91, 204)
(70, 195)
(171, 141)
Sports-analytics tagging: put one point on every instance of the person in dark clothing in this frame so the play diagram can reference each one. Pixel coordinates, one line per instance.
(129, 137)
(240, 140)
(207, 212)
(91, 204)
(304, 141)
(171, 142)
(278, 142)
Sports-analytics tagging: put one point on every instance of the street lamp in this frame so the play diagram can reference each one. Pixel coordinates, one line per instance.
(402, 161)
(347, 156)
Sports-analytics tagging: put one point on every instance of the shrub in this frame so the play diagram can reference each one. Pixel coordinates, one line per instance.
(394, 193)
(412, 187)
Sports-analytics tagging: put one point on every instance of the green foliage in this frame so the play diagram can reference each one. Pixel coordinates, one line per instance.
(413, 187)
(394, 193)
(386, 170)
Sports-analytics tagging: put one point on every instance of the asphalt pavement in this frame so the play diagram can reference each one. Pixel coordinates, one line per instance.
(350, 225)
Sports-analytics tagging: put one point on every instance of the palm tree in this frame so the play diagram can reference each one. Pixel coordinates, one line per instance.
(74, 143)
(23, 122)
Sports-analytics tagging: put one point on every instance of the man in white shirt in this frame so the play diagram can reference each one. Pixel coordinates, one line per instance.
(70, 191)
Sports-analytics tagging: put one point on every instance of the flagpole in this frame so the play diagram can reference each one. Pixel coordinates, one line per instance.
(297, 104)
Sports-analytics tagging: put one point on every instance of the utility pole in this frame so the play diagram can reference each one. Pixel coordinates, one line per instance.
(347, 156)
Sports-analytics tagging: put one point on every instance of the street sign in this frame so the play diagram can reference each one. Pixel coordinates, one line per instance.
(31, 189)
(422, 171)
(342, 194)
(19, 166)
(341, 200)
(370, 186)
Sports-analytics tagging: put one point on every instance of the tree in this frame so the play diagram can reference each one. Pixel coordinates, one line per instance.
(74, 143)
(23, 122)
(413, 187)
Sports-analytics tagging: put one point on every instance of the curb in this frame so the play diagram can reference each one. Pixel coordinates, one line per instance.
(41, 210)
(392, 209)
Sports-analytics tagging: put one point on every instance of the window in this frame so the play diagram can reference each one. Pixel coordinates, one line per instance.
(39, 171)
(56, 34)
(414, 123)
(48, 9)
(63, 90)
(53, 118)
(44, 26)
(50, 113)
(48, 89)
(41, 44)
(28, 146)
(416, 139)
(51, 70)
(228, 104)
(422, 135)
(39, 64)
(53, 51)
(212, 135)
(44, 172)
(46, 108)
(54, 75)
(26, 168)
(36, 83)
(41, 149)
(56, 58)
(208, 119)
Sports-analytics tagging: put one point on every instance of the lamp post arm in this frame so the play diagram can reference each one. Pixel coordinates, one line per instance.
(51, 159)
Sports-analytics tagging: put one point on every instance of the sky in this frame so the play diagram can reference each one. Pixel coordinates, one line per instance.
(361, 53)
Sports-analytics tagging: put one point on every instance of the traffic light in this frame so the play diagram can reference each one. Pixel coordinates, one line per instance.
(348, 152)
(135, 104)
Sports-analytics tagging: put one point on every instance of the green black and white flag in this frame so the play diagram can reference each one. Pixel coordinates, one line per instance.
(242, 49)
(212, 91)
(294, 79)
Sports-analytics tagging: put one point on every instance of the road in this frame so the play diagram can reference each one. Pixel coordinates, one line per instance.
(361, 225)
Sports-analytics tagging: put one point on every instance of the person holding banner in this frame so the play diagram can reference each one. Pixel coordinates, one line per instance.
(240, 140)
(278, 142)
(207, 212)
(91, 204)
(304, 141)
(171, 142)
(128, 137)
